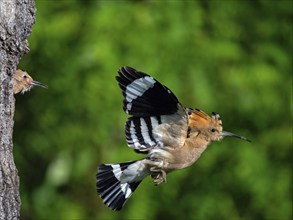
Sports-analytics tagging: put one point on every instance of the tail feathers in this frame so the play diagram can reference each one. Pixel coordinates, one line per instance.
(111, 187)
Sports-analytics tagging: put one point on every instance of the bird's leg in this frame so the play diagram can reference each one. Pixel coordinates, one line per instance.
(157, 173)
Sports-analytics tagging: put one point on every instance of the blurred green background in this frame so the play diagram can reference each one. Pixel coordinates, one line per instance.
(232, 57)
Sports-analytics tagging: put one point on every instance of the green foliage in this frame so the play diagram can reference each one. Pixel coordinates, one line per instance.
(233, 57)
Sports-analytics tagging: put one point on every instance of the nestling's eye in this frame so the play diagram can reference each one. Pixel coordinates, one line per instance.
(213, 130)
(24, 76)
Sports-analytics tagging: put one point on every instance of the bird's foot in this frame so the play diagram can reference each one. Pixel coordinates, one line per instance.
(159, 176)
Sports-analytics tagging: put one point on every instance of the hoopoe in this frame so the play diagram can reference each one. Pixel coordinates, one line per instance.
(23, 82)
(173, 137)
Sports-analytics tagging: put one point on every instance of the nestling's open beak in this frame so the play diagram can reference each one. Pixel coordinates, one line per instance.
(36, 83)
(226, 133)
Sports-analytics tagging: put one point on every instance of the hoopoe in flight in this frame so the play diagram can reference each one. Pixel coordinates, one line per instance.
(171, 136)
(23, 82)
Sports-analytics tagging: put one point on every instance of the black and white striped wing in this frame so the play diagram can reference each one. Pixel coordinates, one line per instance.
(143, 95)
(158, 117)
(145, 133)
(140, 133)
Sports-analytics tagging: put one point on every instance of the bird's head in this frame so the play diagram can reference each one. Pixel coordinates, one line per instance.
(210, 127)
(23, 82)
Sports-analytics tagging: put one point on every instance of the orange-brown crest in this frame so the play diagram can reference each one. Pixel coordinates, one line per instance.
(209, 126)
(198, 118)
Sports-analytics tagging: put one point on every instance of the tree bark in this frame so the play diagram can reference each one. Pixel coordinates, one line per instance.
(16, 20)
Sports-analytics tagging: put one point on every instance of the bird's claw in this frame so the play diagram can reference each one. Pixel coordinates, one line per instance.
(159, 176)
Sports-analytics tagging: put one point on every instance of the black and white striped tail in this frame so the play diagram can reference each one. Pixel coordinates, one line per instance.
(111, 187)
(143, 95)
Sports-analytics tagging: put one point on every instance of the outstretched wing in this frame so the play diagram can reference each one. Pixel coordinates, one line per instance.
(143, 95)
(158, 117)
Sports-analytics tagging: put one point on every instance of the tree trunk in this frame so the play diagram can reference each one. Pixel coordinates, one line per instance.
(16, 20)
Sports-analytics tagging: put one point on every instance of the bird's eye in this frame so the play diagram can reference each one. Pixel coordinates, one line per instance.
(24, 76)
(213, 130)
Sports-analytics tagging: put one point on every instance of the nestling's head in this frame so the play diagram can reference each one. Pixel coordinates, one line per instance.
(210, 127)
(23, 82)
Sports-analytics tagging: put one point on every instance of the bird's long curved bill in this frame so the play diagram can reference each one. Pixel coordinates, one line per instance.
(226, 133)
(36, 83)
